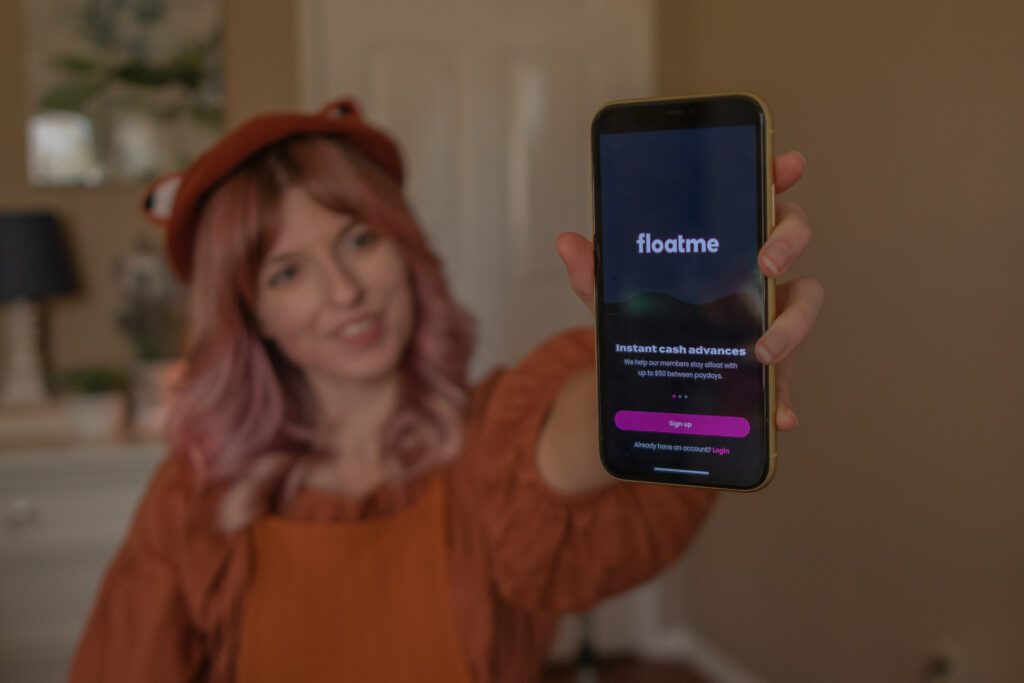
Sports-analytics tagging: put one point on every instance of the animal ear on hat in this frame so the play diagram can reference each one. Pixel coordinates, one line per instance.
(345, 106)
(158, 203)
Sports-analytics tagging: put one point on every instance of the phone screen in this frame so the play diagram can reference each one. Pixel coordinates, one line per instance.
(680, 217)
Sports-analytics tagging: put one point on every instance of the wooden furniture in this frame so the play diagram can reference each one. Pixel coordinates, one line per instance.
(63, 512)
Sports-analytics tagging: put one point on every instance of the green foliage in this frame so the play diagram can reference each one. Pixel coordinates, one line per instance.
(85, 79)
(75, 64)
(73, 95)
(92, 380)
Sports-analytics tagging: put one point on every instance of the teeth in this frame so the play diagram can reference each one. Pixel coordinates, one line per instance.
(352, 329)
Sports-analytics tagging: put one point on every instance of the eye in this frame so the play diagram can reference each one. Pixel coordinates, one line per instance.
(363, 237)
(283, 275)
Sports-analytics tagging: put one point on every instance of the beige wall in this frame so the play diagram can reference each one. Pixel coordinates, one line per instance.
(896, 521)
(102, 223)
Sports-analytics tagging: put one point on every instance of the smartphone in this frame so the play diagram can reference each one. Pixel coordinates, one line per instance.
(683, 201)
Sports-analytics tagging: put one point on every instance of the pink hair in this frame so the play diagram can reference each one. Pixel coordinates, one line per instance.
(240, 398)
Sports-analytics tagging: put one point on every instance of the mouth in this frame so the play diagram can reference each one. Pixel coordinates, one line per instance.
(361, 331)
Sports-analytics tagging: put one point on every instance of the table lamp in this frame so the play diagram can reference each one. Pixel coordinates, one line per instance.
(34, 265)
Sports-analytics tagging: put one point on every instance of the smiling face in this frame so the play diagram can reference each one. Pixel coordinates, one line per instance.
(333, 294)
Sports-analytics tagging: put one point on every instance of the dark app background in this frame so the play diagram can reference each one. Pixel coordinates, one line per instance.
(697, 182)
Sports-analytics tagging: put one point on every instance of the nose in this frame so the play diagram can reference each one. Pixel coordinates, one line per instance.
(342, 285)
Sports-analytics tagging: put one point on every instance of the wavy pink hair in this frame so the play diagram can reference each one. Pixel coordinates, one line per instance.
(242, 411)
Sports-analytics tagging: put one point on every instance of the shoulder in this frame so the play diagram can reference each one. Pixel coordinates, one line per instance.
(166, 501)
(173, 582)
(176, 525)
(176, 517)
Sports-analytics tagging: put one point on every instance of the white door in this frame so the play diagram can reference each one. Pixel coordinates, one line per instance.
(491, 101)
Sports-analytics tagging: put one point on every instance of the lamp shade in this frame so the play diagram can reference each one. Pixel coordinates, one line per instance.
(34, 260)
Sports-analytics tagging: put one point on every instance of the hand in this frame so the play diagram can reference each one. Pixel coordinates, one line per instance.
(797, 302)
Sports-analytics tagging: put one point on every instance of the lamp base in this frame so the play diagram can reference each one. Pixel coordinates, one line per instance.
(24, 386)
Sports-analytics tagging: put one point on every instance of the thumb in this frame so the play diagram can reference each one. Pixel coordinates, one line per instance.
(577, 253)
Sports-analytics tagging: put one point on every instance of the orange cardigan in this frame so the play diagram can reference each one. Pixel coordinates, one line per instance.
(520, 554)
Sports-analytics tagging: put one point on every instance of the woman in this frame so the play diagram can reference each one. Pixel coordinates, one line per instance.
(338, 504)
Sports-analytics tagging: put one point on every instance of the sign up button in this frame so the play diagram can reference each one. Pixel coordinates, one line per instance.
(681, 423)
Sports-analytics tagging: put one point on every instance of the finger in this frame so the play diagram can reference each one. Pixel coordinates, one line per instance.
(785, 416)
(802, 300)
(788, 240)
(789, 168)
(577, 253)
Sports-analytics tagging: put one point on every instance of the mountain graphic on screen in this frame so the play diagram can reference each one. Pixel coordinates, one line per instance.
(657, 313)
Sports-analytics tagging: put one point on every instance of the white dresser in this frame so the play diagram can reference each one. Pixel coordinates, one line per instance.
(63, 513)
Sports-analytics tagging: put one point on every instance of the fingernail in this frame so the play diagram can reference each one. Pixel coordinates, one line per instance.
(792, 414)
(774, 255)
(770, 348)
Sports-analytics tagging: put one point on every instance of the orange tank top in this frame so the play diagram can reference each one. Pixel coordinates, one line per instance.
(353, 601)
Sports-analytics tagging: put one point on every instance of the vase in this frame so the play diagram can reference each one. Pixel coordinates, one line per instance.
(152, 389)
(100, 416)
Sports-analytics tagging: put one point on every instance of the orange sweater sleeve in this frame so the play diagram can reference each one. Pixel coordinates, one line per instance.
(564, 552)
(139, 628)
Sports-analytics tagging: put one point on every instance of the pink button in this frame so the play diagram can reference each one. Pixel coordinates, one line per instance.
(681, 423)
